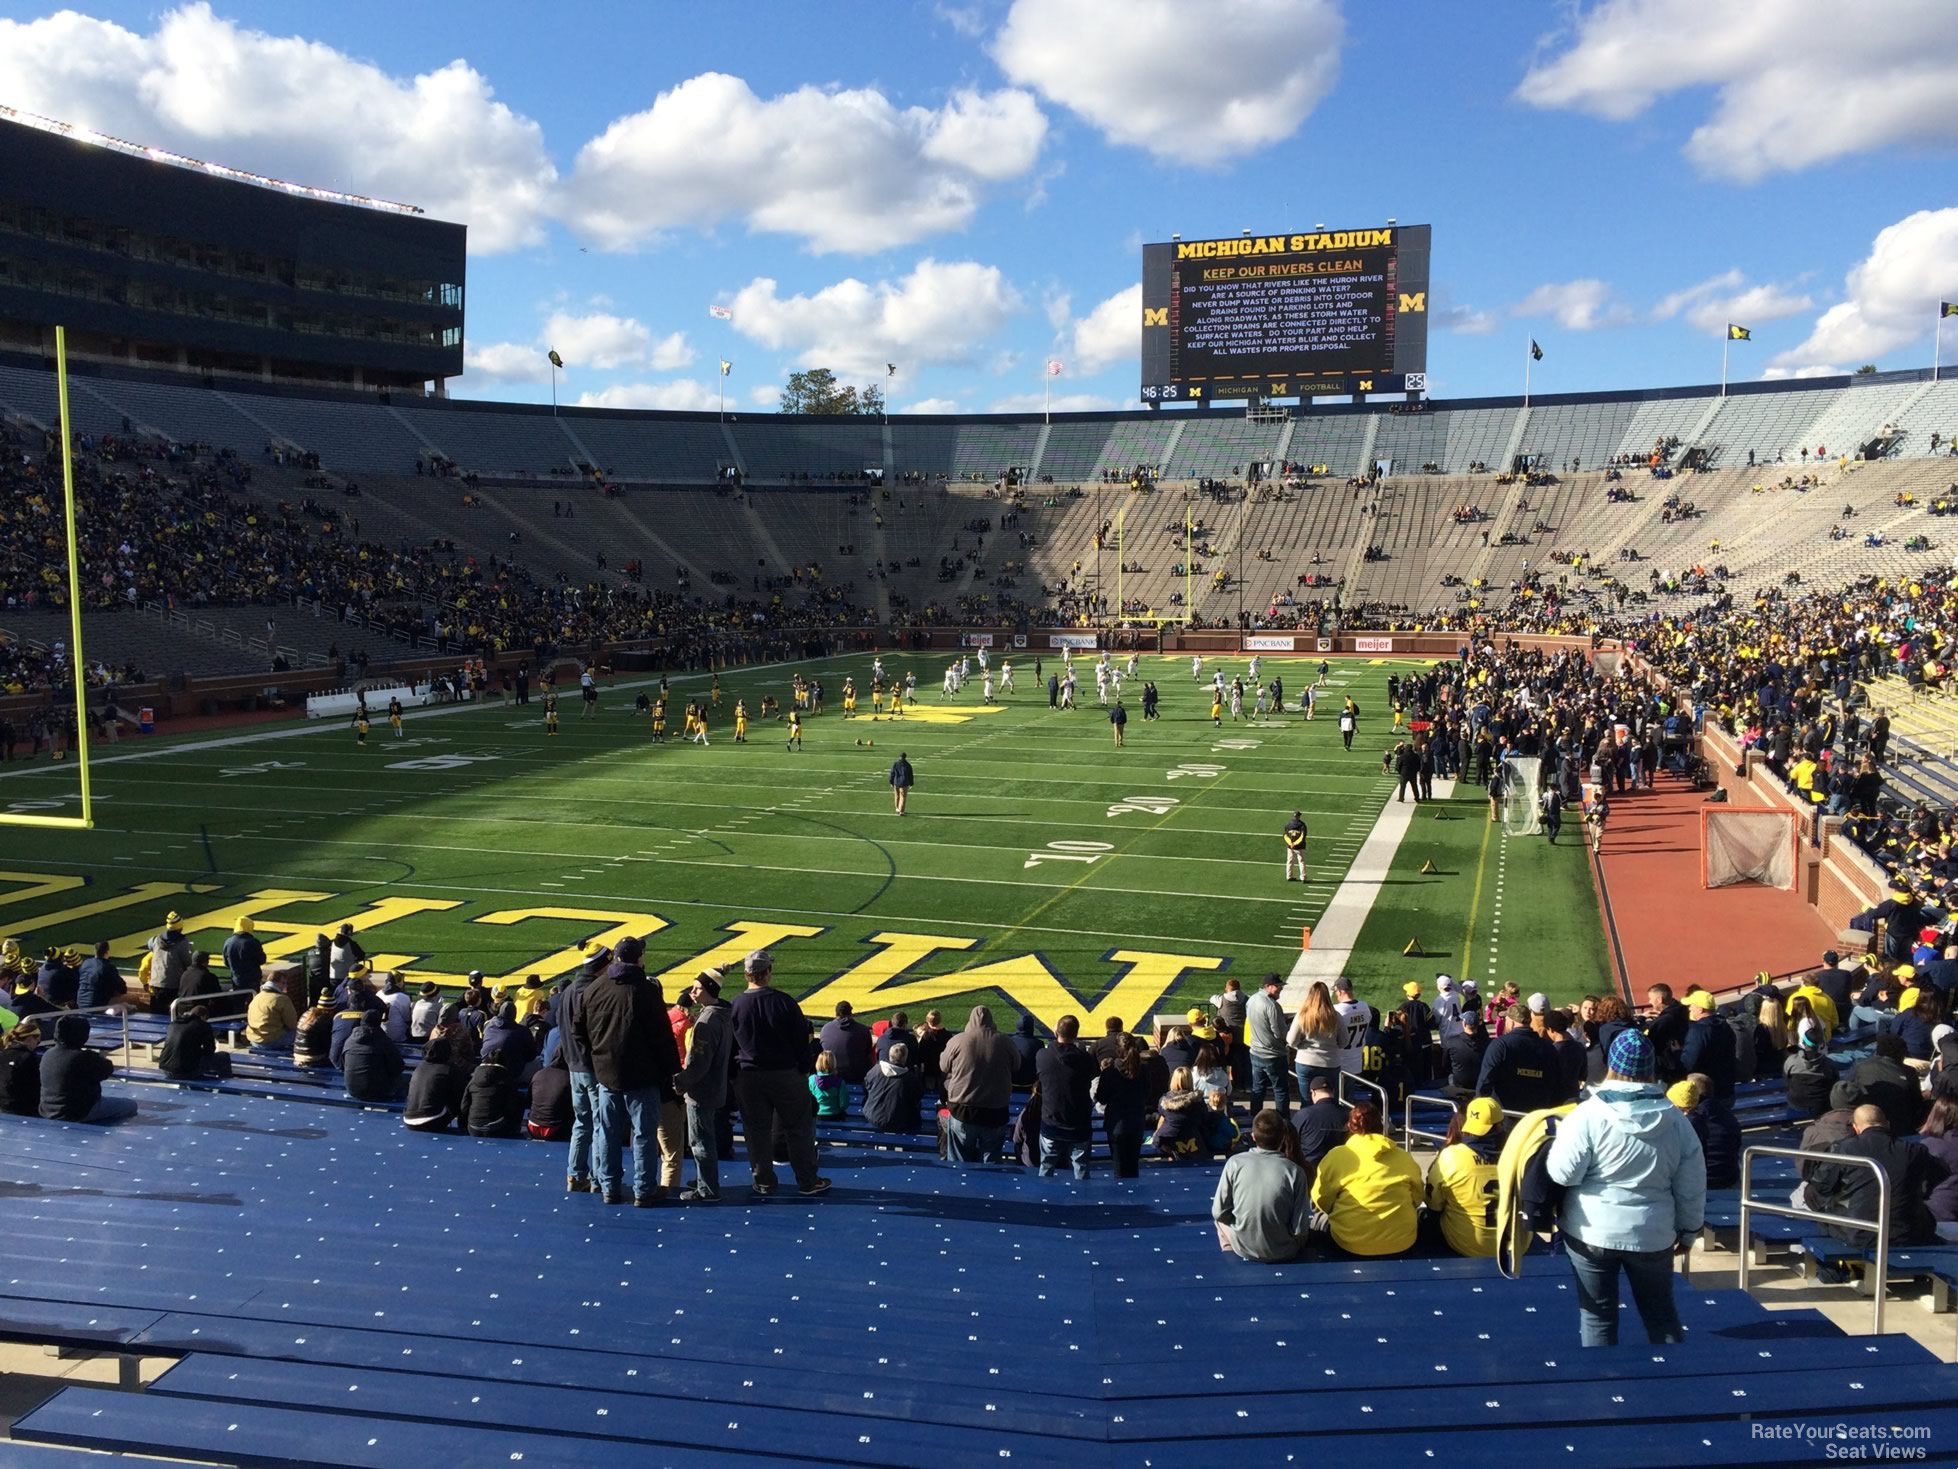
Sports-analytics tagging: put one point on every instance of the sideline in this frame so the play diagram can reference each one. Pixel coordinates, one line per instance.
(339, 726)
(1339, 927)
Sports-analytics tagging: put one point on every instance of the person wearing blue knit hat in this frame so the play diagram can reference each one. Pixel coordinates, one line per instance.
(1635, 1194)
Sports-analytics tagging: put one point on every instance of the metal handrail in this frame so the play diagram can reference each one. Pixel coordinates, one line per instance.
(120, 1011)
(1409, 1132)
(1880, 1280)
(1339, 1091)
(180, 1008)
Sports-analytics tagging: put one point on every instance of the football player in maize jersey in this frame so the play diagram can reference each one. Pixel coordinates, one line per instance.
(849, 697)
(360, 727)
(794, 741)
(740, 722)
(700, 724)
(714, 695)
(550, 713)
(659, 720)
(394, 716)
(1462, 1180)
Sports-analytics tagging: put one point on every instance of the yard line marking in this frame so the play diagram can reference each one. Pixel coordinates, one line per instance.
(1338, 930)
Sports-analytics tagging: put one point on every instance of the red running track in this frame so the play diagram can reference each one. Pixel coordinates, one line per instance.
(1670, 929)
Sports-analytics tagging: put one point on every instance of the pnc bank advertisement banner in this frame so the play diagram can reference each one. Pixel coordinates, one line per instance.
(1072, 639)
(1269, 643)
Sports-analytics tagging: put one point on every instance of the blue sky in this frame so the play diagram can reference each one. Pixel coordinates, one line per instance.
(963, 188)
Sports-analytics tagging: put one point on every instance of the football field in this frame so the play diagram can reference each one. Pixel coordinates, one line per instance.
(1039, 867)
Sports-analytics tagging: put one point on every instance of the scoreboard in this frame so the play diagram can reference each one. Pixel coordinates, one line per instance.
(1313, 313)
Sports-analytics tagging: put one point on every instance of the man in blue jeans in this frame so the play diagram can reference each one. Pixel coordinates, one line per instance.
(1067, 1116)
(1271, 1065)
(577, 1061)
(622, 1025)
(1635, 1194)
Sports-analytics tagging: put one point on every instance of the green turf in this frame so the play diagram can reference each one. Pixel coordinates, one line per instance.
(616, 834)
(1495, 908)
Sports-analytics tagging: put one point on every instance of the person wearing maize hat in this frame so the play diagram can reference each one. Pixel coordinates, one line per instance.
(1634, 1179)
(170, 955)
(244, 955)
(1708, 1048)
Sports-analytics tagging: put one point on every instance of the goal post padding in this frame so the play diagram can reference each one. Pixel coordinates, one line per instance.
(1758, 846)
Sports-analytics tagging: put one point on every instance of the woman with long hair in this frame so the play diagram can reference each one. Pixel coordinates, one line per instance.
(1118, 1089)
(1315, 1037)
(1939, 1133)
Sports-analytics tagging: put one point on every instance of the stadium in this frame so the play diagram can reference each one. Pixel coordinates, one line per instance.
(1265, 914)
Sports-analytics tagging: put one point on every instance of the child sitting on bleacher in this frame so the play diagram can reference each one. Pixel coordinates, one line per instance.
(832, 1098)
(312, 1042)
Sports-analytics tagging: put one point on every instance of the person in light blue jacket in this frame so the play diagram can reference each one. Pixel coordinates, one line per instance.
(1635, 1182)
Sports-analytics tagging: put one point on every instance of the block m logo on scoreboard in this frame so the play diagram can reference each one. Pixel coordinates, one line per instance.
(1155, 316)
(1418, 301)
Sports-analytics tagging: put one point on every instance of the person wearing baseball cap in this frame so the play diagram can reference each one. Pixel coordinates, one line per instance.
(1462, 1178)
(1447, 1008)
(1634, 1179)
(1271, 1068)
(1708, 1048)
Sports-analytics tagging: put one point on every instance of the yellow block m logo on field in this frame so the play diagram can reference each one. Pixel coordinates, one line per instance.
(941, 713)
(1416, 302)
(1155, 316)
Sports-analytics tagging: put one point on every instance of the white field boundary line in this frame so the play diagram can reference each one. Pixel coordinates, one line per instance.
(339, 727)
(640, 831)
(1338, 930)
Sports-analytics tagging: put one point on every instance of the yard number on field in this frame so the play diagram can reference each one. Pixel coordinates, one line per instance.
(231, 771)
(1197, 769)
(1069, 852)
(1148, 805)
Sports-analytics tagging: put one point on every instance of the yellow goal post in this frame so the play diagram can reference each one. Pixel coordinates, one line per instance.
(78, 666)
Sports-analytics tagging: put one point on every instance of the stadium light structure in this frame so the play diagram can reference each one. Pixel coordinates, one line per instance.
(198, 165)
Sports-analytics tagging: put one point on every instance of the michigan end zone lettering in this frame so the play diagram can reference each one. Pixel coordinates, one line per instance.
(884, 978)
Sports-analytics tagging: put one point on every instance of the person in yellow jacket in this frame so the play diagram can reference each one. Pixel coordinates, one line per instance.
(1368, 1190)
(1462, 1182)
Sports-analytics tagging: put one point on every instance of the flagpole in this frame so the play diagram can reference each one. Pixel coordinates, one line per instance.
(554, 390)
(1726, 341)
(1937, 343)
(1046, 398)
(1529, 357)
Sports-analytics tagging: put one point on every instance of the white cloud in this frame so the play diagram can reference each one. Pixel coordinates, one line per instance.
(596, 341)
(291, 108)
(1465, 320)
(506, 362)
(681, 393)
(1814, 369)
(1061, 403)
(841, 169)
(1109, 334)
(1202, 85)
(1578, 306)
(931, 405)
(599, 340)
(1796, 82)
(941, 312)
(765, 396)
(1728, 297)
(1891, 295)
(968, 20)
